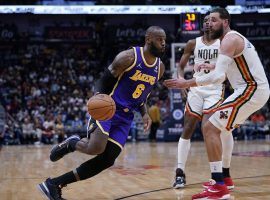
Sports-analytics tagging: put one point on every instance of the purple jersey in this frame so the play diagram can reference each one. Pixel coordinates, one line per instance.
(135, 84)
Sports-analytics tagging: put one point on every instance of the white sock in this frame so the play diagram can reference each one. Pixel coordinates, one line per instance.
(216, 167)
(183, 150)
(227, 148)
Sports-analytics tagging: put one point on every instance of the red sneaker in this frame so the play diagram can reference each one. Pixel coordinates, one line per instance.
(215, 191)
(228, 182)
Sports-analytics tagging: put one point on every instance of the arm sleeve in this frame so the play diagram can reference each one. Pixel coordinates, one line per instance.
(106, 83)
(219, 73)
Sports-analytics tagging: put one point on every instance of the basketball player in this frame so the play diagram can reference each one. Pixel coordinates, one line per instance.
(240, 63)
(200, 102)
(129, 80)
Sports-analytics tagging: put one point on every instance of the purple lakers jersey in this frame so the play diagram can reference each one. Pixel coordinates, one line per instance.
(135, 83)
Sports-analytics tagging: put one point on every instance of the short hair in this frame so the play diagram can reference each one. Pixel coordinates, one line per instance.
(152, 29)
(206, 14)
(223, 13)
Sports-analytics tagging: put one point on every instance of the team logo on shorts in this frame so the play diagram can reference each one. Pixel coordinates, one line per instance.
(223, 115)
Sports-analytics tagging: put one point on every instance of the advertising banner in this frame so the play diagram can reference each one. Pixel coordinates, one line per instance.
(172, 128)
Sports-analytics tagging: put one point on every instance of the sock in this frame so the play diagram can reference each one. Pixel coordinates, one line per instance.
(183, 150)
(64, 179)
(227, 148)
(216, 171)
(226, 172)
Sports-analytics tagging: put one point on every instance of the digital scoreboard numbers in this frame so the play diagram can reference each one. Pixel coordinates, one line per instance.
(190, 23)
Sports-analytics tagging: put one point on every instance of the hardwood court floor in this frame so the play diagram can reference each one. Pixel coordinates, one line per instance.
(143, 171)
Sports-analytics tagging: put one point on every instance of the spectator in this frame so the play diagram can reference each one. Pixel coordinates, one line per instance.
(154, 114)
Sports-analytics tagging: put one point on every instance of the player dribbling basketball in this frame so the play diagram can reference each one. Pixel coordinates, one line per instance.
(129, 80)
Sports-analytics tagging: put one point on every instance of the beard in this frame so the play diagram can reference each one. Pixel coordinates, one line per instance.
(218, 33)
(155, 51)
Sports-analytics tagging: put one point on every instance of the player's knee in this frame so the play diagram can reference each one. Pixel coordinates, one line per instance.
(210, 131)
(107, 159)
(206, 129)
(110, 154)
(95, 149)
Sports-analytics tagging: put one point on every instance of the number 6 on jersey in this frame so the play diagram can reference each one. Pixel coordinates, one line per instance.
(138, 91)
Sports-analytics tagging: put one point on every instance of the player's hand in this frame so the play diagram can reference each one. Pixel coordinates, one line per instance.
(205, 66)
(179, 83)
(146, 122)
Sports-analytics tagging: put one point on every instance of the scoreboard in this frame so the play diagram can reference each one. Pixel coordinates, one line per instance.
(191, 22)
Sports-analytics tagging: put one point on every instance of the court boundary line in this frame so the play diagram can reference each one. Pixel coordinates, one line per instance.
(162, 189)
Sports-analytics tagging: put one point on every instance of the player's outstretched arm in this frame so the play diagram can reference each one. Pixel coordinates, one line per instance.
(231, 45)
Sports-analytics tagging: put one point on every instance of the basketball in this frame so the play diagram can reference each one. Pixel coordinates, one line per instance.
(101, 107)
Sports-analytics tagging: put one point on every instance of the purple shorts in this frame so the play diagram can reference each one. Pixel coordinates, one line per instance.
(117, 127)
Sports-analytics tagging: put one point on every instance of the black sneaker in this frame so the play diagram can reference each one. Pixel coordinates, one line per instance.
(62, 149)
(50, 190)
(180, 179)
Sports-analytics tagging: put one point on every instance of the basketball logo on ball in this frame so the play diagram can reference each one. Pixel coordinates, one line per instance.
(101, 107)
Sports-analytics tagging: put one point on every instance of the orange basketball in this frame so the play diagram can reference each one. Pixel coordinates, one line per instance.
(101, 107)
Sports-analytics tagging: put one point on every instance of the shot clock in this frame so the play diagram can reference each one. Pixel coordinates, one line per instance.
(190, 22)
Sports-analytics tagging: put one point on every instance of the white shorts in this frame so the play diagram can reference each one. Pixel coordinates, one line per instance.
(238, 107)
(203, 101)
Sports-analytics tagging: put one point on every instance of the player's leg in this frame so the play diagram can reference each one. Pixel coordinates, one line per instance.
(92, 146)
(212, 100)
(217, 190)
(227, 148)
(230, 114)
(119, 130)
(51, 188)
(193, 112)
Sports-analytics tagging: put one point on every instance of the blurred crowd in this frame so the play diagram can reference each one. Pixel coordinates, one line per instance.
(43, 87)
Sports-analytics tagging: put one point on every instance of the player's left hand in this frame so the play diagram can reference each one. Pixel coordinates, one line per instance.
(146, 122)
(179, 83)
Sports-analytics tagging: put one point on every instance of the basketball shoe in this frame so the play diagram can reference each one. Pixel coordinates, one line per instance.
(180, 179)
(215, 191)
(228, 182)
(50, 190)
(60, 150)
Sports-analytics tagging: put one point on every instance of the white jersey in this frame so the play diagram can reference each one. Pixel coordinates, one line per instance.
(204, 53)
(251, 89)
(247, 69)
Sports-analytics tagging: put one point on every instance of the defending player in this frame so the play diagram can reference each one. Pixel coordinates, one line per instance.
(240, 63)
(200, 103)
(129, 80)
